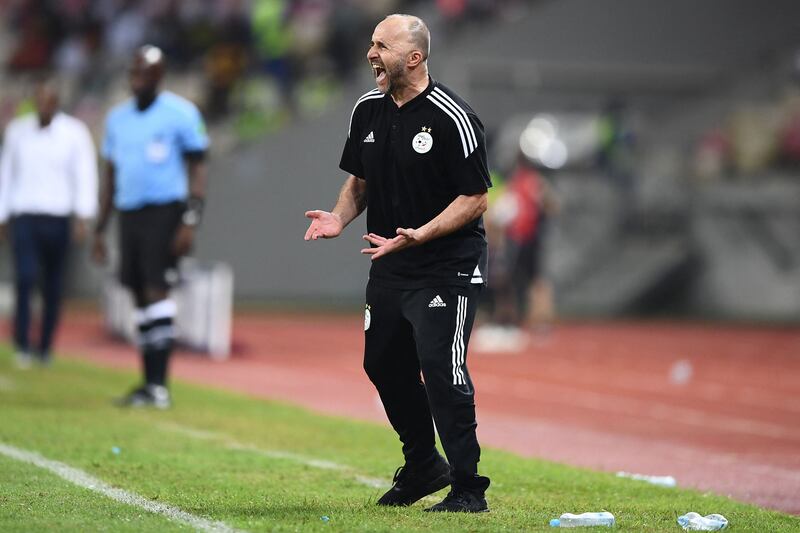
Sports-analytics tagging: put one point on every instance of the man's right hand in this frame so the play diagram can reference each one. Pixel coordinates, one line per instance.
(323, 225)
(99, 250)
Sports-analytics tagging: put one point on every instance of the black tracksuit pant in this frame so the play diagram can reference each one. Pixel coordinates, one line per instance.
(408, 332)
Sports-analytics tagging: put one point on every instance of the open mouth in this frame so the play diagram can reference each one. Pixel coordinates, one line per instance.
(379, 71)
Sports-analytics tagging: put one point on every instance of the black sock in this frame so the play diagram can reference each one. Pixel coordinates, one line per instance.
(158, 340)
(146, 350)
(162, 341)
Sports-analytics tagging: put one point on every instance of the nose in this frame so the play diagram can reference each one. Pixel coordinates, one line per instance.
(372, 53)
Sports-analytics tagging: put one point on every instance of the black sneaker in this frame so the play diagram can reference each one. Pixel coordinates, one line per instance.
(147, 396)
(44, 359)
(461, 501)
(411, 484)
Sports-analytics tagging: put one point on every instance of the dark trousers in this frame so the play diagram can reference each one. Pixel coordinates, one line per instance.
(40, 244)
(426, 331)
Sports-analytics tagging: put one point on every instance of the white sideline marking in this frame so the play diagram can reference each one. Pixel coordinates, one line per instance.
(313, 462)
(374, 482)
(83, 479)
(280, 454)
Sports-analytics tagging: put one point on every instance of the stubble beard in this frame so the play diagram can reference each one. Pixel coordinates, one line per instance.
(396, 79)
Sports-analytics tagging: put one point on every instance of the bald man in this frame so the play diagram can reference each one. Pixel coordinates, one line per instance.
(416, 158)
(155, 175)
(48, 192)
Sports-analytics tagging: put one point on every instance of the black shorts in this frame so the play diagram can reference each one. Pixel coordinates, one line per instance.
(146, 236)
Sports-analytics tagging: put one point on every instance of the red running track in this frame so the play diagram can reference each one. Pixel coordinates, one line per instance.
(596, 395)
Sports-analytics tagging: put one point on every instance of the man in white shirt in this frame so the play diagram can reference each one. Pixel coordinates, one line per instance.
(48, 175)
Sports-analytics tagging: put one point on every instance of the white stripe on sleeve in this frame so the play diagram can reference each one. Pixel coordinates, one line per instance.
(461, 114)
(372, 95)
(441, 106)
(461, 111)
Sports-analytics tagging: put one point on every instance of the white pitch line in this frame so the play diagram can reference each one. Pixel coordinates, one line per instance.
(85, 480)
(280, 454)
(276, 454)
(374, 482)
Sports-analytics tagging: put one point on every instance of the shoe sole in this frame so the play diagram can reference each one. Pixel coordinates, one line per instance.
(434, 486)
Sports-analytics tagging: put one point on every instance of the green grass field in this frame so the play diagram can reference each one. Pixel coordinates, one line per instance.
(262, 466)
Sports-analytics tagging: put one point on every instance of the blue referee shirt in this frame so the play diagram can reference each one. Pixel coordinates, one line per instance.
(147, 149)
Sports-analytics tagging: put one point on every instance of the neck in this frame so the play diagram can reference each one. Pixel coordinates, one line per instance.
(406, 93)
(144, 101)
(45, 121)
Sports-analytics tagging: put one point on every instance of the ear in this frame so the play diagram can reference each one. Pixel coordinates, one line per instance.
(414, 58)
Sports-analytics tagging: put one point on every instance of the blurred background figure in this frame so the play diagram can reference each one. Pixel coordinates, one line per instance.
(155, 174)
(521, 298)
(48, 191)
(531, 202)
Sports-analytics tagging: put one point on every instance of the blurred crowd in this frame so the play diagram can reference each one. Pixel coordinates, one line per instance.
(237, 55)
(754, 136)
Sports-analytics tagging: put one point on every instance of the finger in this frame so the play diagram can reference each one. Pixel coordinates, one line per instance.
(316, 213)
(375, 239)
(370, 251)
(310, 231)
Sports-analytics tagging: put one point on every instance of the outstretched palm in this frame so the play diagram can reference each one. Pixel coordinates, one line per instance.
(323, 225)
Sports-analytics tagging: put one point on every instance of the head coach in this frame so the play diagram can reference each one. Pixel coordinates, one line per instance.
(416, 159)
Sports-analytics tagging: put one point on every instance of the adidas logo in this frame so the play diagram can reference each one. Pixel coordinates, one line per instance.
(369, 138)
(437, 302)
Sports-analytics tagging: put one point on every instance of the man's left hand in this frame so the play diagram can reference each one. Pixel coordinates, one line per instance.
(405, 237)
(184, 238)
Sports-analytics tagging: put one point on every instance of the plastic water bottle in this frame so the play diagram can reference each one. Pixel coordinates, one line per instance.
(695, 522)
(584, 519)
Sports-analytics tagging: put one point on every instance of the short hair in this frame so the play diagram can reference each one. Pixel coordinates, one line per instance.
(418, 33)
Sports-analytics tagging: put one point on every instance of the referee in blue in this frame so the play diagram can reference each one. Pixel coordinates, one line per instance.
(416, 160)
(154, 148)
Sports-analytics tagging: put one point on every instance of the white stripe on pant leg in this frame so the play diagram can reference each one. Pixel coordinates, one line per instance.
(83, 479)
(458, 344)
(455, 343)
(462, 301)
(453, 357)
